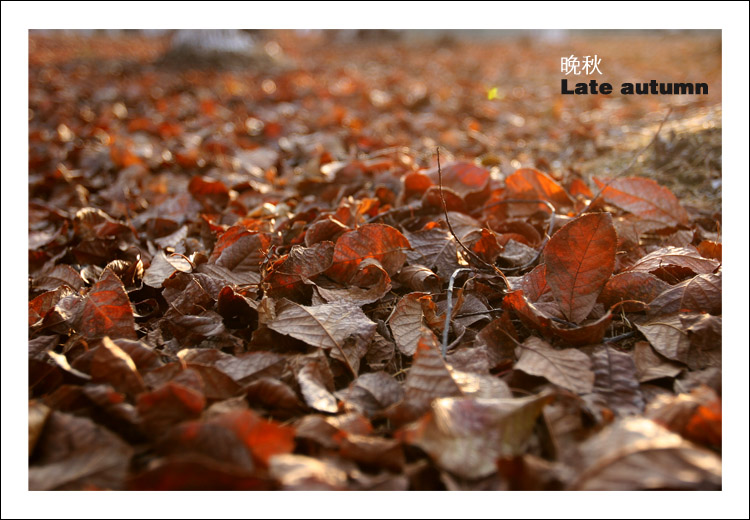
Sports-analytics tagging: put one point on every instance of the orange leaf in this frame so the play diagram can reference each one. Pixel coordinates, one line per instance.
(385, 244)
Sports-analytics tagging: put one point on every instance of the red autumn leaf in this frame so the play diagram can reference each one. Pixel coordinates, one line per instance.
(528, 183)
(578, 187)
(383, 243)
(487, 247)
(534, 283)
(106, 310)
(580, 258)
(43, 304)
(586, 334)
(463, 178)
(169, 404)
(710, 249)
(645, 198)
(416, 183)
(212, 194)
(262, 437)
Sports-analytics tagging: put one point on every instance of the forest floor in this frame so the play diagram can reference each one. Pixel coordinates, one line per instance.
(256, 276)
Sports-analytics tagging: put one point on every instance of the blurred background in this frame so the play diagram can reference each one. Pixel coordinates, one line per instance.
(240, 101)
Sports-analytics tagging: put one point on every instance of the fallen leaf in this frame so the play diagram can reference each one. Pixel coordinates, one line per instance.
(669, 262)
(696, 416)
(637, 286)
(645, 198)
(383, 243)
(700, 293)
(162, 267)
(113, 365)
(406, 322)
(580, 258)
(466, 435)
(316, 384)
(568, 368)
(106, 310)
(371, 393)
(74, 452)
(649, 365)
(637, 454)
(299, 472)
(528, 183)
(616, 381)
(327, 326)
(288, 275)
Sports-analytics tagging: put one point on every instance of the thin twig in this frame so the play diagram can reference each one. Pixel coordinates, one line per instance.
(630, 164)
(449, 310)
(479, 313)
(471, 253)
(615, 339)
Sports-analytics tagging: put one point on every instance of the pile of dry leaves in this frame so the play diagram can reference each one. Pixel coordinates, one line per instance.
(242, 282)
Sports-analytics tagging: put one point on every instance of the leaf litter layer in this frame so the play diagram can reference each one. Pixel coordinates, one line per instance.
(244, 280)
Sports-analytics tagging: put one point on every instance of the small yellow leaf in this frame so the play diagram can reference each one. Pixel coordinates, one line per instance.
(492, 93)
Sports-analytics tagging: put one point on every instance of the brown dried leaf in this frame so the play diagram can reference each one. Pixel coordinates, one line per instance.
(649, 365)
(668, 337)
(406, 322)
(327, 326)
(113, 365)
(645, 198)
(568, 368)
(701, 294)
(616, 381)
(419, 278)
(632, 285)
(74, 453)
(316, 384)
(163, 266)
(372, 393)
(466, 435)
(637, 454)
(667, 260)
